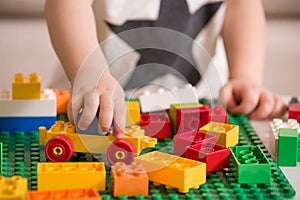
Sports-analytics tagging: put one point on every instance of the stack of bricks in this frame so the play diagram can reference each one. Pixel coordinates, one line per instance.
(28, 107)
(284, 141)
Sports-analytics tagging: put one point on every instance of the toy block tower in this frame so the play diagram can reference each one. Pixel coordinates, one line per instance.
(26, 88)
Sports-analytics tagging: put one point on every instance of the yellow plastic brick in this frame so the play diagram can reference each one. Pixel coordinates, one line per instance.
(227, 134)
(133, 112)
(26, 88)
(75, 175)
(173, 171)
(13, 188)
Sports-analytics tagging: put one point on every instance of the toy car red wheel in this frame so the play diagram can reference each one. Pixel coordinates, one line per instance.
(120, 151)
(59, 149)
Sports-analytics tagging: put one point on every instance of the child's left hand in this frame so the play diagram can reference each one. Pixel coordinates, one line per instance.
(240, 96)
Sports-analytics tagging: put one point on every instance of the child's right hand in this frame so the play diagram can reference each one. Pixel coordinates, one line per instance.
(107, 95)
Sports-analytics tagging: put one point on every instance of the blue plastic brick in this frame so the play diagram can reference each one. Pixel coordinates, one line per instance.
(287, 147)
(26, 124)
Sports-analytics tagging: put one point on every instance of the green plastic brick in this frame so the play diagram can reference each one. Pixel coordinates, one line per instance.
(298, 155)
(287, 147)
(1, 158)
(172, 112)
(250, 164)
(298, 139)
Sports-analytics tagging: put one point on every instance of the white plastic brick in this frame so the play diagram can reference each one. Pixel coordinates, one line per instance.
(275, 125)
(46, 106)
(162, 99)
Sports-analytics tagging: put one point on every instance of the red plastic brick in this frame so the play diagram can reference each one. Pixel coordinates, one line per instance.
(72, 194)
(183, 140)
(219, 114)
(215, 156)
(188, 119)
(156, 125)
(294, 111)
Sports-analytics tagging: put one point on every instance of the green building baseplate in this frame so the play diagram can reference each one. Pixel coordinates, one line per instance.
(21, 153)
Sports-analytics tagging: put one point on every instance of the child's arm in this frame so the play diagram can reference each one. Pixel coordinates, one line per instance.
(244, 39)
(73, 34)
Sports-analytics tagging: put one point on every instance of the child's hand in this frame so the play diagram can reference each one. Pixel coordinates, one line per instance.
(243, 97)
(108, 96)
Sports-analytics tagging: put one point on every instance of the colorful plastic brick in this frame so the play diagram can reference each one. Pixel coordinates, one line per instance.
(26, 88)
(71, 194)
(62, 140)
(215, 156)
(27, 114)
(287, 147)
(129, 180)
(250, 165)
(294, 111)
(62, 176)
(219, 114)
(173, 171)
(183, 140)
(298, 154)
(156, 125)
(133, 112)
(13, 188)
(173, 114)
(188, 119)
(275, 125)
(62, 100)
(162, 99)
(227, 134)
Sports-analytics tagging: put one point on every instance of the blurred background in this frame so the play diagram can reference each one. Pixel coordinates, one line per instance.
(25, 45)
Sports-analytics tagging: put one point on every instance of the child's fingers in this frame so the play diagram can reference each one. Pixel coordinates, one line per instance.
(91, 103)
(74, 107)
(106, 111)
(119, 117)
(249, 99)
(279, 109)
(265, 106)
(226, 97)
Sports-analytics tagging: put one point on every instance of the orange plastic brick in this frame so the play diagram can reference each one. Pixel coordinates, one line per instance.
(73, 194)
(26, 88)
(227, 134)
(62, 176)
(129, 180)
(13, 188)
(62, 100)
(133, 112)
(173, 171)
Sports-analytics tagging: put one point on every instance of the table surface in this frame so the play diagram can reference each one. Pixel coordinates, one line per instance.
(262, 129)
